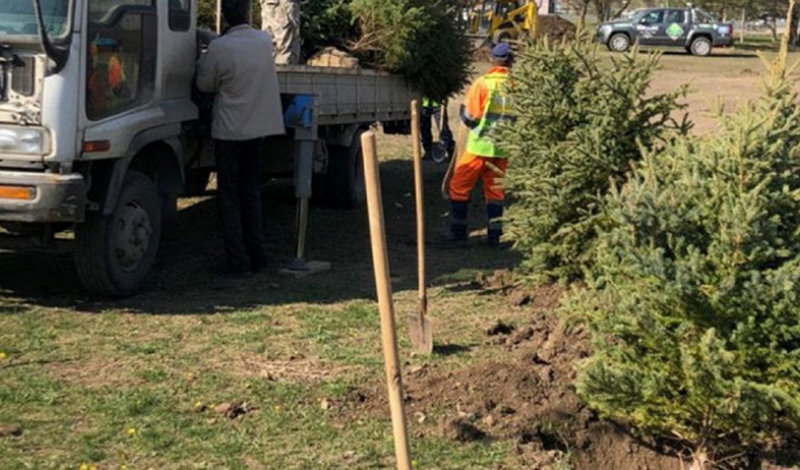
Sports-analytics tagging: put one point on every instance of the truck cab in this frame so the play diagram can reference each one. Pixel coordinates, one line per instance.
(690, 28)
(94, 94)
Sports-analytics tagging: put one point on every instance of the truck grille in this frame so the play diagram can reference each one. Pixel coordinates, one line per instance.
(22, 78)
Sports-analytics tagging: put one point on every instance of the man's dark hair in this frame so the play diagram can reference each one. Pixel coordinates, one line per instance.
(236, 12)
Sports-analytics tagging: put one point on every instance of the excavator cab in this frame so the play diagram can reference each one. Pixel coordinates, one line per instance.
(499, 20)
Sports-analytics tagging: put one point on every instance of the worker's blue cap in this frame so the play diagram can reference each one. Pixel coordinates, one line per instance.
(501, 51)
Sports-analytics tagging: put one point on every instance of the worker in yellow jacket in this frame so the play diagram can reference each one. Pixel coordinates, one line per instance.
(487, 105)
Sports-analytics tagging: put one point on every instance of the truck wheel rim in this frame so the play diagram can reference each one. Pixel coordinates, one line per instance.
(701, 48)
(619, 43)
(132, 230)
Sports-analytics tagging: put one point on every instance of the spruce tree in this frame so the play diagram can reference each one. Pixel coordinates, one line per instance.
(423, 40)
(581, 122)
(692, 302)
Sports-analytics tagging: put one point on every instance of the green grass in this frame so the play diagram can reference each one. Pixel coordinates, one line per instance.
(115, 389)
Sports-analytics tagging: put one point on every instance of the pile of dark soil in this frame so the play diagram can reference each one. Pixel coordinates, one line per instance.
(523, 394)
(556, 28)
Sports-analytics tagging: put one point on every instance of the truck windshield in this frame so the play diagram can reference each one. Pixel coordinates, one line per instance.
(17, 18)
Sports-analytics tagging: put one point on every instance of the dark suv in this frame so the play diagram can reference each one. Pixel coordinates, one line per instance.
(690, 28)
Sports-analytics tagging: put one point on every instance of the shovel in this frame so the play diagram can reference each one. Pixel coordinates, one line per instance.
(439, 152)
(419, 325)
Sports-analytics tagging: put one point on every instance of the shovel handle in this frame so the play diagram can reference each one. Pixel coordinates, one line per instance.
(495, 169)
(461, 139)
(419, 192)
(380, 260)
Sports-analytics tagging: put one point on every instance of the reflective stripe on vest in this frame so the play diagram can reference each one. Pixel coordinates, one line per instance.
(498, 108)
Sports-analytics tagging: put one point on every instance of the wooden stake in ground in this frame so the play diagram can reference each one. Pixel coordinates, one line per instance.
(420, 331)
(380, 260)
(219, 17)
(744, 23)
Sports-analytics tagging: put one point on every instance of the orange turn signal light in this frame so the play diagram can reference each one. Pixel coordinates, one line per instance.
(20, 193)
(95, 146)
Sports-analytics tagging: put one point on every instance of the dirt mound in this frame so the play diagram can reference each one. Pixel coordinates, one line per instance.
(523, 394)
(556, 28)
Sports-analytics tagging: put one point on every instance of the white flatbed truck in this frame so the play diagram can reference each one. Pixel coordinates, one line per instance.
(99, 132)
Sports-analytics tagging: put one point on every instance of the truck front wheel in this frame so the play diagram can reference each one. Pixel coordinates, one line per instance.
(115, 253)
(619, 42)
(700, 46)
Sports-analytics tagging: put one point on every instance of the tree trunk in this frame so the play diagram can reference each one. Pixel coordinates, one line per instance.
(601, 7)
(773, 26)
(622, 8)
(582, 17)
(700, 460)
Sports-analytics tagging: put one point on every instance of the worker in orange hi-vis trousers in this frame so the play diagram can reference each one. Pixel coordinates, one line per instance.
(487, 105)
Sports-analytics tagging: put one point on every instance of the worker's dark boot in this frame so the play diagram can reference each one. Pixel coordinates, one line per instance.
(458, 224)
(494, 212)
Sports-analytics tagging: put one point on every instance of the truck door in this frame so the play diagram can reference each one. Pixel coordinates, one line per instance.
(121, 50)
(675, 28)
(648, 27)
(121, 53)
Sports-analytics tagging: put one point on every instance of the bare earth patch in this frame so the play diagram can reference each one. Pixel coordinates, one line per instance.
(94, 372)
(297, 370)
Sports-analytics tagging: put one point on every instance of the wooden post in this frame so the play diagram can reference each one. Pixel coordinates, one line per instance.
(380, 260)
(219, 17)
(419, 191)
(744, 25)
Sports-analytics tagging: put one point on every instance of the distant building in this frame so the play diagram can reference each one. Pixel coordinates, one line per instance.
(547, 7)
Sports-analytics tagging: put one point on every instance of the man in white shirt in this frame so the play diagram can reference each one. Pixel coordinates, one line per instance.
(281, 18)
(239, 69)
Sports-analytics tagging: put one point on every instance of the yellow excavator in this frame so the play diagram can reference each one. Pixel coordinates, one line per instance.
(502, 20)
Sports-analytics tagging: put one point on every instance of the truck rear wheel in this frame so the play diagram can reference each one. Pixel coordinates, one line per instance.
(345, 183)
(115, 253)
(619, 42)
(700, 46)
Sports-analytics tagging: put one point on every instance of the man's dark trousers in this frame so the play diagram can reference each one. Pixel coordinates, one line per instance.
(430, 116)
(239, 166)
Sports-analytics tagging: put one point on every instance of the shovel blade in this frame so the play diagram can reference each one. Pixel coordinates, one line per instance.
(420, 333)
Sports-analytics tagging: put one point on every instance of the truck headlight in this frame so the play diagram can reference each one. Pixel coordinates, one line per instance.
(21, 140)
(604, 28)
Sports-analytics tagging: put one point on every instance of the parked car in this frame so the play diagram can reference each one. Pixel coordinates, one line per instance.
(690, 28)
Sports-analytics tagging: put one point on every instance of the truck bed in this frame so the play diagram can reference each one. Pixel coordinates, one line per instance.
(347, 96)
